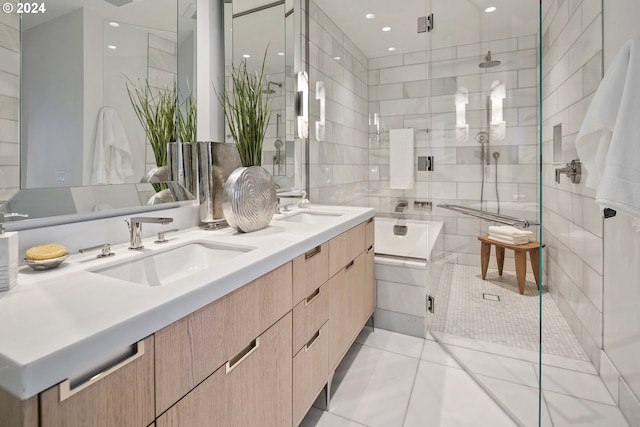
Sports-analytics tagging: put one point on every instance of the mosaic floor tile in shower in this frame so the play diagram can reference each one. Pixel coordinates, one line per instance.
(464, 310)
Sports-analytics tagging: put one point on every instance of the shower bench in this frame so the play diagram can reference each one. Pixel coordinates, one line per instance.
(520, 253)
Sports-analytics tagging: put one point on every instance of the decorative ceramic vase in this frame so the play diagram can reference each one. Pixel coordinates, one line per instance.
(249, 198)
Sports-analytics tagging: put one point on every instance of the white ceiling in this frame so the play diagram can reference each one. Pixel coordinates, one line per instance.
(457, 22)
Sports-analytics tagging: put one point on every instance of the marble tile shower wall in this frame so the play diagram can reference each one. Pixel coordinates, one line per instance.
(417, 90)
(9, 104)
(573, 257)
(338, 165)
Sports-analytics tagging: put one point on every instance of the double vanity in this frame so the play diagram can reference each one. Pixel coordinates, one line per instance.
(210, 328)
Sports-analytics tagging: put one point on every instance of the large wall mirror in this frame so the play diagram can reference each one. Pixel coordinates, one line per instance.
(257, 30)
(65, 80)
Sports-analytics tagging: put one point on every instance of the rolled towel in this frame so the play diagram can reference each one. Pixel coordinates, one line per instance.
(507, 230)
(509, 240)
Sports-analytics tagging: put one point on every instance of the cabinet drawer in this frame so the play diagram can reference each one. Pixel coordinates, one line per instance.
(252, 389)
(310, 372)
(191, 349)
(121, 395)
(311, 313)
(370, 237)
(345, 248)
(310, 271)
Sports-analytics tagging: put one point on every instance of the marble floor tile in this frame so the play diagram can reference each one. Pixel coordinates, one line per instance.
(433, 352)
(319, 418)
(445, 396)
(520, 400)
(574, 412)
(373, 386)
(386, 340)
(577, 384)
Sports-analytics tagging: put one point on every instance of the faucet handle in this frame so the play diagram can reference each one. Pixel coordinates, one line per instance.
(105, 247)
(161, 238)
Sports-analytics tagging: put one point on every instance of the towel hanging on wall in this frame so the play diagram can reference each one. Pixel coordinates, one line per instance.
(401, 159)
(112, 158)
(608, 143)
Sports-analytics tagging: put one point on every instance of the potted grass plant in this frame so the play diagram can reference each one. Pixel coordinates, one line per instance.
(249, 194)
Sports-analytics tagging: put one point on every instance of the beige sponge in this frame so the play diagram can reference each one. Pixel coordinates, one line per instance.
(45, 252)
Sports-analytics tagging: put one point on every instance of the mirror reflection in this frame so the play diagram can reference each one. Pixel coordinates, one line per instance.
(77, 126)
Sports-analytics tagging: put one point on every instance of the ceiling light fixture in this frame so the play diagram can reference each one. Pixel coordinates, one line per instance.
(490, 9)
(337, 58)
(385, 29)
(114, 24)
(246, 55)
(112, 47)
(280, 53)
(369, 16)
(391, 49)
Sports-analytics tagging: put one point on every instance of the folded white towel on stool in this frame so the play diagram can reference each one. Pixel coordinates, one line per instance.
(509, 231)
(509, 240)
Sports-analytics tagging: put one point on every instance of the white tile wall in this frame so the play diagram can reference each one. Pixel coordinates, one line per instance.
(9, 105)
(572, 58)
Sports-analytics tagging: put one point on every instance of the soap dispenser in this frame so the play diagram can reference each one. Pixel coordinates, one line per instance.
(8, 255)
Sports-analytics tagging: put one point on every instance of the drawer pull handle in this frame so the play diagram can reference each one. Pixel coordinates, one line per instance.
(312, 341)
(350, 265)
(66, 390)
(370, 249)
(313, 252)
(311, 297)
(244, 353)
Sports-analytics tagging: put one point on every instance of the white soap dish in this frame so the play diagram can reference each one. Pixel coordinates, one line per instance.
(46, 264)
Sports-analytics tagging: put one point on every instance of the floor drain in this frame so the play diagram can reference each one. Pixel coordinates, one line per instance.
(491, 297)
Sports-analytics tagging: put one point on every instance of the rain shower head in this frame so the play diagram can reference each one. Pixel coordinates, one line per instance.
(488, 63)
(269, 90)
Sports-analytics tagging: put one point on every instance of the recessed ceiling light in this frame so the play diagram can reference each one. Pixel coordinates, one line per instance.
(280, 53)
(391, 49)
(369, 16)
(337, 58)
(490, 9)
(114, 24)
(386, 28)
(112, 47)
(246, 55)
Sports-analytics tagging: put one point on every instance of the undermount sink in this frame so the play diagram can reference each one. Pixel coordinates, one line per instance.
(174, 265)
(311, 217)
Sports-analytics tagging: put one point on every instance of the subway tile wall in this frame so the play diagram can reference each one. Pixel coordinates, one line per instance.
(9, 105)
(338, 165)
(572, 223)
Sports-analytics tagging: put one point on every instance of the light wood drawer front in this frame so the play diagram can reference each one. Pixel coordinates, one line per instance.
(255, 391)
(192, 348)
(311, 313)
(121, 396)
(18, 413)
(310, 271)
(346, 247)
(310, 373)
(370, 238)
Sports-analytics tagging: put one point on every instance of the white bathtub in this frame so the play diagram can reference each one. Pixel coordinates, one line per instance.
(400, 271)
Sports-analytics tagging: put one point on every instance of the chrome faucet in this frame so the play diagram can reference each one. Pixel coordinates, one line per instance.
(572, 169)
(402, 206)
(302, 203)
(135, 229)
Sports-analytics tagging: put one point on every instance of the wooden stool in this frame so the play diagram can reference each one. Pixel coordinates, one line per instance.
(520, 253)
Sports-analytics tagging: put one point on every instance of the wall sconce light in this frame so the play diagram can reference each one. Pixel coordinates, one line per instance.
(302, 105)
(320, 96)
(461, 100)
(498, 127)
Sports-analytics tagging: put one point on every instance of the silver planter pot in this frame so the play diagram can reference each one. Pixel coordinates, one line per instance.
(249, 198)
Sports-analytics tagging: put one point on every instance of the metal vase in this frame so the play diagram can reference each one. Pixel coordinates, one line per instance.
(182, 165)
(249, 198)
(216, 160)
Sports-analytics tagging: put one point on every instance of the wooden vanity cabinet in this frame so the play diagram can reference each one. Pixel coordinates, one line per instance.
(191, 349)
(18, 413)
(251, 389)
(120, 396)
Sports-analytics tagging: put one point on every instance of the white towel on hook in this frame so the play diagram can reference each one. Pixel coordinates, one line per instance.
(112, 158)
(608, 143)
(401, 159)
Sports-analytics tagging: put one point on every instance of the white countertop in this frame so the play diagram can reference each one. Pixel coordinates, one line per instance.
(56, 323)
